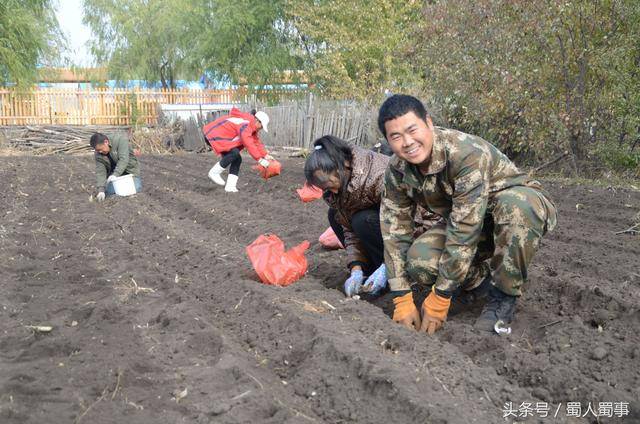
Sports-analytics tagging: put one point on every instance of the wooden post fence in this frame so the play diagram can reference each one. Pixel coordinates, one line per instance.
(298, 117)
(107, 106)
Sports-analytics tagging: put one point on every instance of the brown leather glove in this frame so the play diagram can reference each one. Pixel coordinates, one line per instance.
(405, 311)
(434, 312)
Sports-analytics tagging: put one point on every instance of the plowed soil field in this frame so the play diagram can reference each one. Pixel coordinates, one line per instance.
(158, 317)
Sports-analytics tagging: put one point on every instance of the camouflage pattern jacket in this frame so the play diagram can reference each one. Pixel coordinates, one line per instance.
(119, 161)
(463, 174)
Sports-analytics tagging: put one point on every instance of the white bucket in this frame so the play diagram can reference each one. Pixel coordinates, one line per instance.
(124, 185)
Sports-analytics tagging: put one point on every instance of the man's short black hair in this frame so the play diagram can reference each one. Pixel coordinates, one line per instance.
(398, 105)
(97, 138)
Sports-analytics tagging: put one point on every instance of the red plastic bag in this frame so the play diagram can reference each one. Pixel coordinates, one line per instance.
(309, 193)
(329, 240)
(275, 266)
(272, 170)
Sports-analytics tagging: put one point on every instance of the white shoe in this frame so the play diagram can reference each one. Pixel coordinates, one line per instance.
(215, 174)
(232, 180)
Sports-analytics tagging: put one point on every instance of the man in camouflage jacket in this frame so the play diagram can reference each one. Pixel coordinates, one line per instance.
(490, 210)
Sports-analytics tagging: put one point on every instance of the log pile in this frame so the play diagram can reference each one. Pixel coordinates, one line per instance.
(53, 139)
(70, 139)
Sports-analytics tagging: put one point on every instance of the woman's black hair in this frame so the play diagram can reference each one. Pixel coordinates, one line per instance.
(330, 154)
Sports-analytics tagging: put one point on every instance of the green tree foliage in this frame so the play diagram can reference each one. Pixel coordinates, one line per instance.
(356, 48)
(29, 36)
(537, 76)
(246, 41)
(141, 39)
(619, 111)
(238, 40)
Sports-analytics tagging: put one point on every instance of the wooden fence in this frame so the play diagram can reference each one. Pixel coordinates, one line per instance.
(297, 117)
(299, 123)
(104, 106)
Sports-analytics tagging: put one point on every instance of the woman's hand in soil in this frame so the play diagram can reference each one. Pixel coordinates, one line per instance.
(353, 285)
(405, 311)
(100, 196)
(376, 281)
(434, 312)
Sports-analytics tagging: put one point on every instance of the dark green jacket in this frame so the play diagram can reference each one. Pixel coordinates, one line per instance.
(119, 161)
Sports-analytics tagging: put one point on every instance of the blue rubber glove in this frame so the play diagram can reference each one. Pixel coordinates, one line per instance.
(353, 285)
(376, 281)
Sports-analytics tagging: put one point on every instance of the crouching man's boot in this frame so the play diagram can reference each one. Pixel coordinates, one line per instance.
(215, 174)
(232, 181)
(465, 298)
(499, 309)
(473, 289)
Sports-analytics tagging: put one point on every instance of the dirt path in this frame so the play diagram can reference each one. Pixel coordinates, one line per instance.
(157, 316)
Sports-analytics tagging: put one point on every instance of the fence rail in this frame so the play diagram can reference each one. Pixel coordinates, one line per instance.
(103, 106)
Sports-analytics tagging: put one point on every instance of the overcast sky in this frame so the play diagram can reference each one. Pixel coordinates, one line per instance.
(69, 13)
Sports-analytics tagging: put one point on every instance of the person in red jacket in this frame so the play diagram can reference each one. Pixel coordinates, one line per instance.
(227, 136)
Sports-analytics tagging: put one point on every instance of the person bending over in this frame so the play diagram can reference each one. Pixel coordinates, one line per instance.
(227, 136)
(114, 157)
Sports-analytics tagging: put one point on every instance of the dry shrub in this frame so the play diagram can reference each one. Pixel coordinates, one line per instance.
(157, 140)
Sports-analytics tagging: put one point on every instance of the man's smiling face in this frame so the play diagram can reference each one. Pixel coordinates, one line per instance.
(411, 138)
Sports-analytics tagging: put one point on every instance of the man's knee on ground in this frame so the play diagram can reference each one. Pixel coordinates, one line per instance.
(422, 264)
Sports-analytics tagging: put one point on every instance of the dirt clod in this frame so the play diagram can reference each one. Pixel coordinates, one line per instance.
(599, 353)
(219, 409)
(600, 317)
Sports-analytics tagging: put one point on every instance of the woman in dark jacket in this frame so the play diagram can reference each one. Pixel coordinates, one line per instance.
(352, 179)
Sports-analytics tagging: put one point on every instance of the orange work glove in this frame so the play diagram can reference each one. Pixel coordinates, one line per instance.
(434, 312)
(405, 311)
